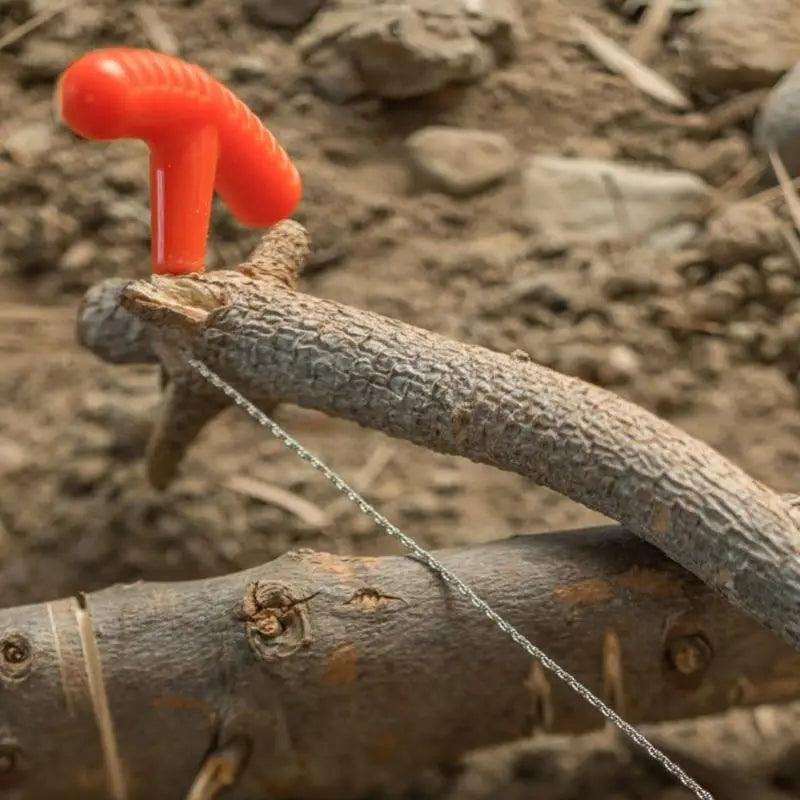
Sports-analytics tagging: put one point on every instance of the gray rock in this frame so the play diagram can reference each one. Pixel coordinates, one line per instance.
(675, 237)
(79, 255)
(406, 48)
(281, 13)
(335, 76)
(778, 123)
(594, 199)
(742, 44)
(403, 55)
(459, 161)
(633, 7)
(28, 144)
(621, 366)
(743, 232)
(248, 68)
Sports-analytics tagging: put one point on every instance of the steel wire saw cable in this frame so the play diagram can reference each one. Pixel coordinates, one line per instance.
(451, 579)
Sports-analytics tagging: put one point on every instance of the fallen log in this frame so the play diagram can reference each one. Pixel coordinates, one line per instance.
(339, 674)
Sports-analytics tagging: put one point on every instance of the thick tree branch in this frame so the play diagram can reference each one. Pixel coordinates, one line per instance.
(337, 674)
(274, 343)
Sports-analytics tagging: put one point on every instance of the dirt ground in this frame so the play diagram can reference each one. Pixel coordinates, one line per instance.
(75, 510)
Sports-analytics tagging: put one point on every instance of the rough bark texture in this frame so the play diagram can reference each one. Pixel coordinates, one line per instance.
(105, 328)
(274, 343)
(342, 673)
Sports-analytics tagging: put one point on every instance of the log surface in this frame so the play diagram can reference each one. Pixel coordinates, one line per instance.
(346, 673)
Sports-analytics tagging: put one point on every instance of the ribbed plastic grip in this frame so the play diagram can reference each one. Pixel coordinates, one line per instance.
(200, 136)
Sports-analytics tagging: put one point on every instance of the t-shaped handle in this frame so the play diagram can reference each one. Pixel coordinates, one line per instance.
(201, 137)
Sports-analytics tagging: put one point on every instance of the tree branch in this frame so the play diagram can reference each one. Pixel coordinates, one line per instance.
(276, 344)
(338, 674)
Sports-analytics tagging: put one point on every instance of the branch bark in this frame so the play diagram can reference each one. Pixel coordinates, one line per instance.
(274, 343)
(340, 674)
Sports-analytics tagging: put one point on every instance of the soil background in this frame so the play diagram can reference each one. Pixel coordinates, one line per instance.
(76, 513)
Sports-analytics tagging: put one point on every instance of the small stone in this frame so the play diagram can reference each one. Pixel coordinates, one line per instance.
(406, 54)
(743, 231)
(335, 76)
(710, 356)
(675, 237)
(43, 61)
(715, 161)
(633, 8)
(488, 259)
(248, 68)
(777, 264)
(596, 200)
(447, 482)
(28, 144)
(778, 123)
(745, 277)
(13, 456)
(127, 175)
(85, 473)
(459, 161)
(79, 256)
(497, 22)
(780, 290)
(407, 48)
(741, 44)
(717, 302)
(281, 13)
(621, 366)
(547, 290)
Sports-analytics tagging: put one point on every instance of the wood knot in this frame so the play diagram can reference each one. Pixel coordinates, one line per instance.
(688, 657)
(16, 657)
(277, 620)
(369, 601)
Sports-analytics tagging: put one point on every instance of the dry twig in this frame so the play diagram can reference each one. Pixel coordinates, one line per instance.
(652, 27)
(36, 21)
(157, 31)
(618, 60)
(279, 345)
(220, 770)
(308, 513)
(773, 193)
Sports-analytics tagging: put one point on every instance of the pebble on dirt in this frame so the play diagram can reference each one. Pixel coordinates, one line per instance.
(459, 161)
(743, 232)
(742, 44)
(28, 143)
(778, 123)
(596, 200)
(281, 13)
(406, 48)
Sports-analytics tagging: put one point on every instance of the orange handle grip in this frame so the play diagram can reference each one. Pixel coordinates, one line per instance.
(201, 137)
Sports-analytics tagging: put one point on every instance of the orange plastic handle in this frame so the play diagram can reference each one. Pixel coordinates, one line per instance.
(201, 137)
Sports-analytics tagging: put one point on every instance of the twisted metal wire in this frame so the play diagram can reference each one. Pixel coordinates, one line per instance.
(452, 580)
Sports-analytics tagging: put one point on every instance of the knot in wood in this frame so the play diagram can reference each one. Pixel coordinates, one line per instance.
(16, 657)
(688, 657)
(276, 618)
(368, 600)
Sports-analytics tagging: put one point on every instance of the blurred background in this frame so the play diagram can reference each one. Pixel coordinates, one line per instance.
(473, 167)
